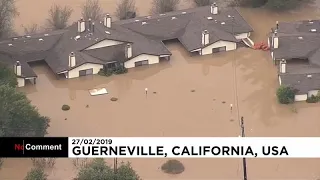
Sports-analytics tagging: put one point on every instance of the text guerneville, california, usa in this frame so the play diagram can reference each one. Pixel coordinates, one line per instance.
(205, 148)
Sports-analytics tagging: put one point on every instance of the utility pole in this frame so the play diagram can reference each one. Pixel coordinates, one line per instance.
(115, 167)
(244, 161)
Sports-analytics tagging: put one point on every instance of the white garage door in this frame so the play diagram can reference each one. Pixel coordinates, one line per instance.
(301, 97)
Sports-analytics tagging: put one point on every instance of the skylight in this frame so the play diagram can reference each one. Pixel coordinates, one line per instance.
(223, 23)
(107, 32)
(143, 23)
(184, 12)
(313, 30)
(40, 39)
(309, 76)
(300, 37)
(10, 45)
(173, 17)
(209, 18)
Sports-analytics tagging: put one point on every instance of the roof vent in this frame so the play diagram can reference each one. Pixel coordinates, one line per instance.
(46, 34)
(136, 20)
(223, 23)
(215, 21)
(148, 17)
(15, 38)
(184, 12)
(313, 30)
(300, 37)
(309, 76)
(107, 32)
(77, 38)
(28, 36)
(310, 22)
(229, 16)
(143, 23)
(173, 17)
(40, 39)
(209, 18)
(10, 45)
(162, 14)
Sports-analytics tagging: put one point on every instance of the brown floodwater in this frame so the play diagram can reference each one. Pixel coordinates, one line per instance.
(174, 110)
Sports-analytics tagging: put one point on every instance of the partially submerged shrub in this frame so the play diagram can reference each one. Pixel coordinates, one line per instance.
(313, 99)
(80, 163)
(31, 29)
(115, 70)
(163, 6)
(114, 99)
(285, 95)
(126, 9)
(36, 174)
(65, 107)
(172, 167)
(59, 16)
(43, 162)
(91, 9)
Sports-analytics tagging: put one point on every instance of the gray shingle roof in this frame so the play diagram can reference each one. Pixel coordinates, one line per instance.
(54, 47)
(297, 41)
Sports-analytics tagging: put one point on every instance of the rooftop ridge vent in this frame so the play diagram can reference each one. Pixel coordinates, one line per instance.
(107, 32)
(223, 23)
(40, 39)
(209, 18)
(313, 30)
(184, 12)
(300, 37)
(310, 22)
(173, 17)
(143, 23)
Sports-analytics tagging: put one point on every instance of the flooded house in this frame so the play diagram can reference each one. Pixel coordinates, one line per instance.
(86, 47)
(295, 49)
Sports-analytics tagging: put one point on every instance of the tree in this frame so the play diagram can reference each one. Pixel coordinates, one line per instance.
(99, 170)
(285, 94)
(202, 2)
(36, 174)
(7, 76)
(32, 29)
(126, 9)
(92, 10)
(163, 6)
(59, 17)
(8, 12)
(283, 4)
(18, 117)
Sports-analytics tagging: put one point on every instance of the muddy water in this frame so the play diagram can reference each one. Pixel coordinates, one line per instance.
(174, 110)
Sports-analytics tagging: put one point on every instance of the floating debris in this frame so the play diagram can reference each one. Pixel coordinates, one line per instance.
(65, 119)
(193, 90)
(114, 99)
(65, 107)
(87, 106)
(223, 102)
(154, 92)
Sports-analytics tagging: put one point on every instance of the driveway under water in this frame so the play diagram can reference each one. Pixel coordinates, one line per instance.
(176, 111)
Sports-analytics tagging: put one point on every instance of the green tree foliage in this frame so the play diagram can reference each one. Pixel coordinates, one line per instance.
(285, 95)
(7, 76)
(99, 170)
(36, 174)
(17, 116)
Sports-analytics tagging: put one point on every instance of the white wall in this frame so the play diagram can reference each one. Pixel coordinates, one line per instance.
(75, 72)
(301, 97)
(151, 58)
(242, 35)
(313, 92)
(280, 80)
(229, 46)
(21, 82)
(104, 43)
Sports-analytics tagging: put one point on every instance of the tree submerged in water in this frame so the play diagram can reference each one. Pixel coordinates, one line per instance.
(36, 174)
(172, 166)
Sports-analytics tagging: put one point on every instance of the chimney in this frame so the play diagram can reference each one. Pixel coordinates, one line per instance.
(275, 40)
(81, 26)
(214, 8)
(107, 21)
(277, 23)
(283, 66)
(205, 37)
(72, 60)
(93, 27)
(89, 24)
(128, 51)
(17, 68)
